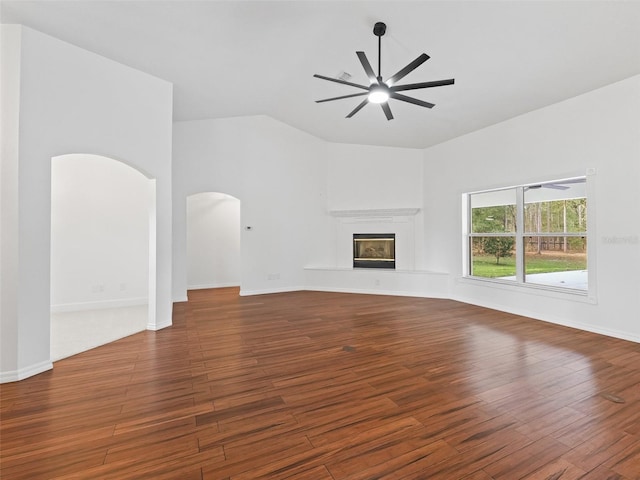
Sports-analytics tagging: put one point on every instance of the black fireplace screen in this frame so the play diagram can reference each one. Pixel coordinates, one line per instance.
(374, 250)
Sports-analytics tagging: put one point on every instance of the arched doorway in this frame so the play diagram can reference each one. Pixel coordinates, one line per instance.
(100, 252)
(213, 241)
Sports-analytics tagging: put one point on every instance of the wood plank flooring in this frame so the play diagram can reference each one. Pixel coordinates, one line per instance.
(327, 386)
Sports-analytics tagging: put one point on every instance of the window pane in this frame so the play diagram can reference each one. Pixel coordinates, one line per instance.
(493, 212)
(556, 207)
(493, 257)
(556, 261)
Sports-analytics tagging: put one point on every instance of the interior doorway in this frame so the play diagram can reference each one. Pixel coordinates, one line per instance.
(100, 252)
(213, 241)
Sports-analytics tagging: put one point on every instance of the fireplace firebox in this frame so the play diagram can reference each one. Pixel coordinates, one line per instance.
(374, 250)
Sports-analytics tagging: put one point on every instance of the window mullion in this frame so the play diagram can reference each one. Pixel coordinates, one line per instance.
(520, 234)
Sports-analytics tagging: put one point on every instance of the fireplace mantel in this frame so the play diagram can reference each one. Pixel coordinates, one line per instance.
(381, 212)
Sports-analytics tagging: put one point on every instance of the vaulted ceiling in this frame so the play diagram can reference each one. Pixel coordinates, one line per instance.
(232, 58)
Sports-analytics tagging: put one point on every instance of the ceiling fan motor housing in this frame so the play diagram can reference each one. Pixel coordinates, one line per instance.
(379, 29)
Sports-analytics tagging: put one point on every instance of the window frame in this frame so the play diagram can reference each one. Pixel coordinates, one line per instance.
(520, 236)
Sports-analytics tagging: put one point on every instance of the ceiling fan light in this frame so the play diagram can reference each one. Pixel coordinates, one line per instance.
(378, 95)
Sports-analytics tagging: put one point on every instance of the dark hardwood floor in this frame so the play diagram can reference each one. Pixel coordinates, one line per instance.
(327, 386)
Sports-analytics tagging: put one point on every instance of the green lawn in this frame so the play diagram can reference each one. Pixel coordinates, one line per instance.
(485, 266)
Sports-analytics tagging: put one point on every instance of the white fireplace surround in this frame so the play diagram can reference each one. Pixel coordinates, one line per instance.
(399, 221)
(407, 278)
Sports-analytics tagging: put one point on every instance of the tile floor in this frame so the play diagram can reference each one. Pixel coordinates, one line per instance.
(75, 332)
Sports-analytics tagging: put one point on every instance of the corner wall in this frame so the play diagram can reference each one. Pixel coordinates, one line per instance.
(375, 190)
(74, 101)
(10, 47)
(597, 133)
(279, 175)
(370, 191)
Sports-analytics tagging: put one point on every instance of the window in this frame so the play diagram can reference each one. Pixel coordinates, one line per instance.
(530, 234)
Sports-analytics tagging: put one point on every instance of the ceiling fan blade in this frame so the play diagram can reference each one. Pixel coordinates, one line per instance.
(367, 67)
(344, 96)
(342, 82)
(357, 109)
(408, 69)
(560, 185)
(387, 110)
(414, 86)
(570, 181)
(415, 101)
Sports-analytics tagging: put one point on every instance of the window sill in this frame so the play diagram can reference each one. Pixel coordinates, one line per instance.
(582, 296)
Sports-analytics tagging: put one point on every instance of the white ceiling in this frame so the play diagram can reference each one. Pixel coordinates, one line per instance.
(248, 58)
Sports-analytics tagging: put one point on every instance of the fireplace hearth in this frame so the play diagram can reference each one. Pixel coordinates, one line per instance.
(374, 250)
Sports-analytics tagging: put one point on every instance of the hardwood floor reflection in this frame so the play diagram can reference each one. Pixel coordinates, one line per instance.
(312, 385)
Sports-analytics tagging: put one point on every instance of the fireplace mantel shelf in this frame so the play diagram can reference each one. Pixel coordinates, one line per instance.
(381, 212)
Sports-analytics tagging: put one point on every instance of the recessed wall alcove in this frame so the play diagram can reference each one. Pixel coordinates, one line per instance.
(100, 252)
(213, 241)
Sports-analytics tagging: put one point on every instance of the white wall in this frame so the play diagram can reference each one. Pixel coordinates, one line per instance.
(9, 114)
(73, 101)
(365, 178)
(213, 240)
(99, 234)
(599, 130)
(279, 175)
(376, 190)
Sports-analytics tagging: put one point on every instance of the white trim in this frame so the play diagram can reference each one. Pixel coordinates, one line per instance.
(373, 270)
(364, 291)
(30, 371)
(117, 303)
(204, 286)
(529, 288)
(158, 326)
(549, 319)
(266, 291)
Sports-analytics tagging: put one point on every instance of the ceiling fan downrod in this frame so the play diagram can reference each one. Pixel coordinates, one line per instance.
(379, 29)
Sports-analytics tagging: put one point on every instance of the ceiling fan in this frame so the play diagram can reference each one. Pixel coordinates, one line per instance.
(380, 91)
(559, 185)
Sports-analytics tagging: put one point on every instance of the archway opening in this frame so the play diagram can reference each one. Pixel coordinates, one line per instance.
(213, 241)
(101, 265)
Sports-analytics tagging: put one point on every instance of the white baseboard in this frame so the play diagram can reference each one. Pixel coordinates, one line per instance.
(117, 303)
(159, 326)
(364, 291)
(30, 371)
(204, 286)
(266, 291)
(550, 319)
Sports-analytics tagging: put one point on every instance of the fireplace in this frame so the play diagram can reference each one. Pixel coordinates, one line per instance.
(374, 250)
